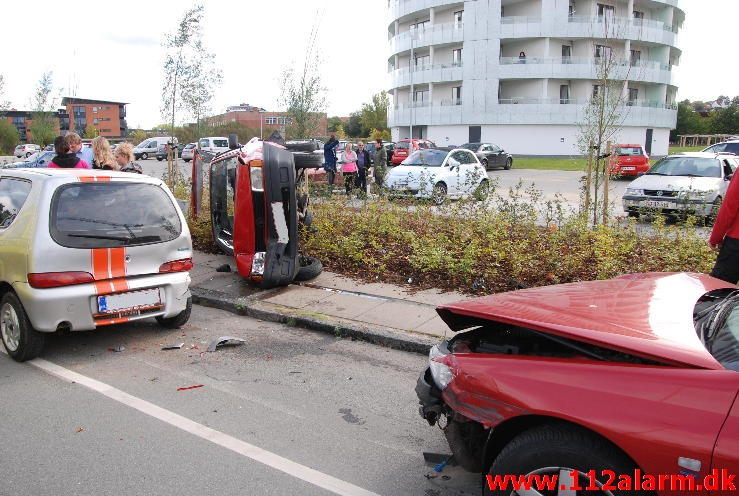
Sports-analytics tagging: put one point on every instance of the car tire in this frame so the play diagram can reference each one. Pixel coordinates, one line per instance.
(438, 194)
(632, 213)
(310, 268)
(482, 191)
(160, 158)
(467, 442)
(308, 146)
(28, 154)
(144, 156)
(508, 163)
(484, 163)
(304, 160)
(21, 340)
(551, 448)
(178, 320)
(186, 159)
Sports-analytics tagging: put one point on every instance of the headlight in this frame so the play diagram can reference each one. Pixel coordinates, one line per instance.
(257, 264)
(634, 191)
(257, 182)
(441, 373)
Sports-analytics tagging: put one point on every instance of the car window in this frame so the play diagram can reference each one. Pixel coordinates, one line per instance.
(716, 148)
(403, 145)
(204, 143)
(220, 143)
(13, 194)
(724, 343)
(732, 148)
(628, 151)
(468, 158)
(686, 166)
(112, 214)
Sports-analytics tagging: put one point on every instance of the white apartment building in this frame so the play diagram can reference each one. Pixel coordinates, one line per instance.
(520, 73)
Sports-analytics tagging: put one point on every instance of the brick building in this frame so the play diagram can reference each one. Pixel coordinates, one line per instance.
(109, 118)
(258, 118)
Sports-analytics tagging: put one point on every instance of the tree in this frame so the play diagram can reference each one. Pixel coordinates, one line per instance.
(44, 124)
(91, 132)
(340, 133)
(4, 104)
(353, 128)
(383, 134)
(136, 136)
(9, 137)
(333, 124)
(303, 96)
(374, 114)
(688, 121)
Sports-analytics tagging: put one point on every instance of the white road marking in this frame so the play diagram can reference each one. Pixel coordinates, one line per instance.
(294, 469)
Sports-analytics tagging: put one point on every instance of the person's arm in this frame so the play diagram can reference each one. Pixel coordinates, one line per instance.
(726, 214)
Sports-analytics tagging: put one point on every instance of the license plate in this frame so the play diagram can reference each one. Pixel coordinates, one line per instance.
(628, 168)
(132, 300)
(659, 204)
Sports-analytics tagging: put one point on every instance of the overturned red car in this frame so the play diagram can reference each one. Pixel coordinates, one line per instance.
(637, 374)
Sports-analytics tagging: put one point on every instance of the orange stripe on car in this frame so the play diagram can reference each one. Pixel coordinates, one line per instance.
(109, 270)
(93, 179)
(116, 320)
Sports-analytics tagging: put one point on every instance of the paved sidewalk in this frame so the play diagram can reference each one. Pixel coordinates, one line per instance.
(376, 312)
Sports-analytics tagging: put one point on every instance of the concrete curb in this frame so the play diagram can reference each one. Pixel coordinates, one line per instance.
(399, 340)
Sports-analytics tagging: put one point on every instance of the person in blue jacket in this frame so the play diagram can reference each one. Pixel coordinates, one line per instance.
(329, 154)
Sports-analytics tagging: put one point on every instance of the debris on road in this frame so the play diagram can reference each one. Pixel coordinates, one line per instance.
(224, 341)
(190, 387)
(117, 349)
(223, 268)
(443, 464)
(174, 346)
(79, 429)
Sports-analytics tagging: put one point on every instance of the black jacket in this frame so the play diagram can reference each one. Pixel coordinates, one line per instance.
(367, 161)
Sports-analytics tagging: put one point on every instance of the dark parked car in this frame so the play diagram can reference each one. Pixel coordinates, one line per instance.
(490, 155)
(633, 375)
(388, 145)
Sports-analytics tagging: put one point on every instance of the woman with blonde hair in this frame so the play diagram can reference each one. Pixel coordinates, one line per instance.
(124, 158)
(103, 156)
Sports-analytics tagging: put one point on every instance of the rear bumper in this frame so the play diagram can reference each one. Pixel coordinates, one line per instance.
(75, 306)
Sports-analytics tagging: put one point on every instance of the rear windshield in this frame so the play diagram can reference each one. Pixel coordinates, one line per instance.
(112, 214)
(628, 151)
(220, 143)
(402, 145)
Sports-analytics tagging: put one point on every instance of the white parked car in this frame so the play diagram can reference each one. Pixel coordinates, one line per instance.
(692, 183)
(213, 145)
(437, 174)
(82, 248)
(25, 151)
(148, 147)
(188, 153)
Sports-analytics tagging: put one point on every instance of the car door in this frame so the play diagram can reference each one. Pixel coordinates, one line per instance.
(222, 194)
(726, 451)
(483, 152)
(453, 172)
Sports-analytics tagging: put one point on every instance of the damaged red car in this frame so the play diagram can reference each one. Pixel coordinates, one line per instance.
(633, 376)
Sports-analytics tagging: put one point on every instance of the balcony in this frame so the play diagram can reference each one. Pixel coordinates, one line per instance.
(402, 8)
(445, 112)
(437, 34)
(437, 73)
(622, 28)
(584, 68)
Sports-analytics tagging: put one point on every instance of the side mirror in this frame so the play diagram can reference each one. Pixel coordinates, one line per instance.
(728, 177)
(233, 142)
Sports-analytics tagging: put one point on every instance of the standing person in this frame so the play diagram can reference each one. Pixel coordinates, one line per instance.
(124, 157)
(74, 143)
(725, 236)
(522, 58)
(380, 163)
(329, 156)
(64, 158)
(349, 167)
(363, 163)
(103, 156)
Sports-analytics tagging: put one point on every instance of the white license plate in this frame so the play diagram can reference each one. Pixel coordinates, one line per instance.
(659, 204)
(628, 168)
(133, 300)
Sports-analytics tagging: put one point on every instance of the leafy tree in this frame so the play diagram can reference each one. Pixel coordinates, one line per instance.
(374, 114)
(9, 137)
(353, 128)
(44, 125)
(91, 132)
(136, 136)
(4, 104)
(383, 134)
(340, 133)
(333, 124)
(735, 101)
(688, 121)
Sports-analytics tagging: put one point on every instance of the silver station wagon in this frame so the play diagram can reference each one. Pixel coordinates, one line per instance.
(82, 248)
(692, 183)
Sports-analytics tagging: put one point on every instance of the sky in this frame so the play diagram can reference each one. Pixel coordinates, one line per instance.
(116, 54)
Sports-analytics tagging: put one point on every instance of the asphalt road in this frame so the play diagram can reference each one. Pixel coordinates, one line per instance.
(334, 411)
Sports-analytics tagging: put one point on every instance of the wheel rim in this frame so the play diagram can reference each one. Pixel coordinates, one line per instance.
(144, 156)
(508, 163)
(565, 483)
(10, 327)
(439, 194)
(485, 163)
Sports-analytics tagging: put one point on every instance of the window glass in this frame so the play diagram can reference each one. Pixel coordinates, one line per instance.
(628, 150)
(220, 143)
(112, 214)
(732, 147)
(716, 148)
(428, 158)
(686, 166)
(495, 148)
(204, 143)
(13, 194)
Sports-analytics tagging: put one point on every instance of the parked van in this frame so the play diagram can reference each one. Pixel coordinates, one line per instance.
(148, 147)
(213, 145)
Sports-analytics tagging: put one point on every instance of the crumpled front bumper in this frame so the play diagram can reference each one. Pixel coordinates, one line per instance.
(429, 397)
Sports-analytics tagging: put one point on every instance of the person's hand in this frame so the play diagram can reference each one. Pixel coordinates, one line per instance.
(714, 247)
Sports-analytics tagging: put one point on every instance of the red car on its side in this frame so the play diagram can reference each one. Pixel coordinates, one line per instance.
(629, 160)
(635, 373)
(404, 148)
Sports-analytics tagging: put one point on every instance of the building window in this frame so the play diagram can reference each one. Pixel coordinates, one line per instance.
(94, 121)
(566, 54)
(283, 120)
(94, 110)
(421, 96)
(597, 90)
(105, 130)
(602, 52)
(457, 95)
(635, 57)
(79, 110)
(421, 25)
(564, 94)
(633, 95)
(457, 57)
(571, 9)
(638, 16)
(80, 123)
(270, 120)
(458, 18)
(605, 11)
(422, 61)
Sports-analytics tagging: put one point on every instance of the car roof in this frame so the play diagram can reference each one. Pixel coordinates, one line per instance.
(91, 175)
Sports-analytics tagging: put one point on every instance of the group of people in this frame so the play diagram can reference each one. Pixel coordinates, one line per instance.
(72, 154)
(355, 165)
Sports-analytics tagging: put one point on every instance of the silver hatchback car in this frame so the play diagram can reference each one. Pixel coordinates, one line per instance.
(693, 183)
(82, 248)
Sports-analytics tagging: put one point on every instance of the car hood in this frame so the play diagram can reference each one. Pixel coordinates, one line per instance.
(647, 315)
(676, 183)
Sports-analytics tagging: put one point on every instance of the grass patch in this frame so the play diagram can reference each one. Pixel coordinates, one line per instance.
(564, 164)
(678, 149)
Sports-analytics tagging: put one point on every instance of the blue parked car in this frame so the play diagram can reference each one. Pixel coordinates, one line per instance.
(38, 159)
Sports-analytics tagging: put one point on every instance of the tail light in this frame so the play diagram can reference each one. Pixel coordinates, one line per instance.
(183, 265)
(440, 371)
(46, 280)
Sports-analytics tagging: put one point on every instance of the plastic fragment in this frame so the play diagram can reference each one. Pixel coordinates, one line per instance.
(224, 341)
(117, 349)
(173, 346)
(190, 387)
(79, 429)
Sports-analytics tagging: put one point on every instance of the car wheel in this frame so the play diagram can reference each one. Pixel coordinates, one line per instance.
(633, 213)
(186, 159)
(310, 268)
(562, 450)
(28, 154)
(482, 191)
(508, 163)
(484, 163)
(178, 320)
(21, 340)
(438, 195)
(304, 160)
(160, 158)
(144, 156)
